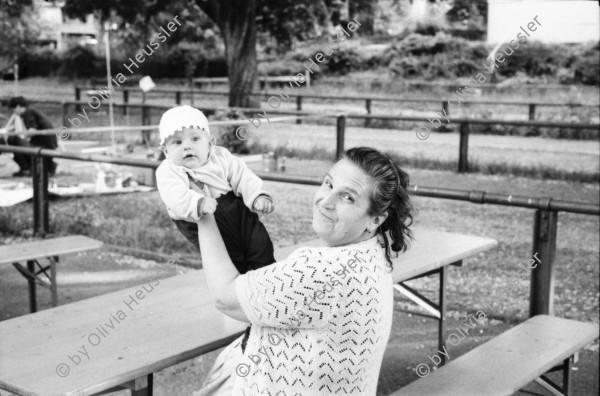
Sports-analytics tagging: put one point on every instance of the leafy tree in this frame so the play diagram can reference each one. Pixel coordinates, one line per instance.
(469, 12)
(18, 30)
(238, 22)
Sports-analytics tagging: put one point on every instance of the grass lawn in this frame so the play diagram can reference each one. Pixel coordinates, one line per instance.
(539, 157)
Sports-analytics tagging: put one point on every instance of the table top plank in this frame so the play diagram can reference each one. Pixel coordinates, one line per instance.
(46, 248)
(509, 361)
(174, 322)
(428, 251)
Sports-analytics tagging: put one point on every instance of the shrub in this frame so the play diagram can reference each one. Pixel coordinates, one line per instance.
(227, 135)
(343, 61)
(427, 28)
(217, 67)
(417, 44)
(42, 64)
(467, 67)
(80, 62)
(406, 67)
(586, 68)
(476, 52)
(282, 68)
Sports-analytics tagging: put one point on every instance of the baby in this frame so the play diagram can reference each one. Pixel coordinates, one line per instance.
(197, 178)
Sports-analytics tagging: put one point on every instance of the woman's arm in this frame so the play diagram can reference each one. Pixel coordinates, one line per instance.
(219, 269)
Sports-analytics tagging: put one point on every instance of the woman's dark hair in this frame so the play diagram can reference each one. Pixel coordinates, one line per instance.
(17, 101)
(389, 195)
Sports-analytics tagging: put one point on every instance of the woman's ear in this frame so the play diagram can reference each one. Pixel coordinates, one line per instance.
(377, 221)
(212, 141)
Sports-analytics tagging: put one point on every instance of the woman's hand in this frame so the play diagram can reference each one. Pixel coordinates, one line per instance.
(209, 205)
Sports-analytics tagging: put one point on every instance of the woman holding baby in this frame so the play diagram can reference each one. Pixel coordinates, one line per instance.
(331, 306)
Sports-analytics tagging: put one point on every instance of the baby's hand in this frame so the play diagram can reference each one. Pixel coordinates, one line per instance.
(263, 204)
(209, 206)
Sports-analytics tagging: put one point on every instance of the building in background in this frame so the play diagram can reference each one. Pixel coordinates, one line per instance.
(566, 21)
(61, 33)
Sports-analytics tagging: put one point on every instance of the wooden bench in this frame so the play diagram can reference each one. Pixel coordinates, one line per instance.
(174, 322)
(50, 249)
(510, 361)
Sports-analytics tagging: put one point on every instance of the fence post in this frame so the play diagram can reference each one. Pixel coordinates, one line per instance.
(125, 101)
(39, 174)
(178, 97)
(299, 107)
(65, 113)
(532, 112)
(77, 98)
(368, 106)
(446, 107)
(541, 299)
(145, 121)
(463, 148)
(341, 130)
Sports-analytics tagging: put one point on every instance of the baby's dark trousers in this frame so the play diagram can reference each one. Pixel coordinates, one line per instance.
(246, 238)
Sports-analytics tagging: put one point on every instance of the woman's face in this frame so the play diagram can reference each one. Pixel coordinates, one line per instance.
(341, 204)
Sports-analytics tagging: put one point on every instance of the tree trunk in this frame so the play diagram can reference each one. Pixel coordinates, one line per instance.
(236, 20)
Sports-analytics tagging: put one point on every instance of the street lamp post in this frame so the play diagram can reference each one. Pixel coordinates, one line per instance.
(111, 117)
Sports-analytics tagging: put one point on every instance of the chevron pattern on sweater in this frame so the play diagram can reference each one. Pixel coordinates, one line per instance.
(332, 308)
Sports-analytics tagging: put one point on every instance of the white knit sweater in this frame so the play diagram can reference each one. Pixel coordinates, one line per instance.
(321, 321)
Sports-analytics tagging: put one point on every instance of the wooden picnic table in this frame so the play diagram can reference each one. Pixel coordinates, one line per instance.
(90, 347)
(50, 249)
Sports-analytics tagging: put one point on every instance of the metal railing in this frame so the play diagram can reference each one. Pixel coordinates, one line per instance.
(465, 124)
(545, 222)
(368, 99)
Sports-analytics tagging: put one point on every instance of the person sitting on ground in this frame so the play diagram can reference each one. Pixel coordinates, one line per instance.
(322, 317)
(26, 120)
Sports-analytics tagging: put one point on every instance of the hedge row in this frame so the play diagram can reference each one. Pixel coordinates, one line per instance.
(450, 57)
(445, 56)
(80, 62)
(415, 56)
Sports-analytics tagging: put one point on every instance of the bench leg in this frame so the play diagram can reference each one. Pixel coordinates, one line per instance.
(32, 291)
(567, 366)
(555, 389)
(442, 309)
(438, 310)
(147, 391)
(141, 386)
(53, 287)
